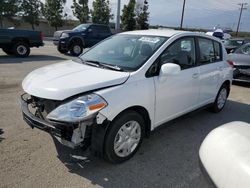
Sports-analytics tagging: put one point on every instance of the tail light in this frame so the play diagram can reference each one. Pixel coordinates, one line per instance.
(42, 36)
(231, 63)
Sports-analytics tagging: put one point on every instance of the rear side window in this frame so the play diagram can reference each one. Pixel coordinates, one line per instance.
(210, 51)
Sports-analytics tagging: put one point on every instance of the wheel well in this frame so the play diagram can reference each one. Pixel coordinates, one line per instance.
(227, 83)
(76, 40)
(16, 40)
(144, 114)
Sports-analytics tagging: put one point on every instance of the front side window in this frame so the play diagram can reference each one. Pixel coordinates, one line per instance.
(181, 52)
(126, 51)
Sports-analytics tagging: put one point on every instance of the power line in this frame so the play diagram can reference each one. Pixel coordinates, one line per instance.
(242, 7)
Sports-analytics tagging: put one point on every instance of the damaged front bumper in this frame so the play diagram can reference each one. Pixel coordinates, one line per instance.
(69, 134)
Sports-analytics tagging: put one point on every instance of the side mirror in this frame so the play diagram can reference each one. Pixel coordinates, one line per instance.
(170, 69)
(89, 30)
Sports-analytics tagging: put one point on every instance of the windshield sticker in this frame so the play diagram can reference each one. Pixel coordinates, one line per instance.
(149, 39)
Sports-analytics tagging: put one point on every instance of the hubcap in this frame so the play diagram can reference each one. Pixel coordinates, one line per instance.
(127, 138)
(21, 50)
(222, 98)
(77, 49)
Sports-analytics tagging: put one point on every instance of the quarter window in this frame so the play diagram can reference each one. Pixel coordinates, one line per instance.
(217, 50)
(181, 52)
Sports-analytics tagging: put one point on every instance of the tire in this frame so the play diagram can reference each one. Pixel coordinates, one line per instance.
(8, 51)
(221, 99)
(120, 136)
(62, 51)
(76, 49)
(21, 49)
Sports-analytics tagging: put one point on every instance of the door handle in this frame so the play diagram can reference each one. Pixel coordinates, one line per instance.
(195, 75)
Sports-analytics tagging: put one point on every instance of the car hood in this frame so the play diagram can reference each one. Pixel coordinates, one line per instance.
(239, 59)
(62, 80)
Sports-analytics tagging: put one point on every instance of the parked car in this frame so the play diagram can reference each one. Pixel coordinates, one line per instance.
(232, 44)
(83, 36)
(225, 156)
(18, 42)
(115, 93)
(241, 61)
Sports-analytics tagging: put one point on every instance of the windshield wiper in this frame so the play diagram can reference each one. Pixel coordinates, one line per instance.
(102, 65)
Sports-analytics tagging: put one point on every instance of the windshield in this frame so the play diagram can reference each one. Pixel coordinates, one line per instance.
(128, 52)
(245, 49)
(81, 27)
(233, 42)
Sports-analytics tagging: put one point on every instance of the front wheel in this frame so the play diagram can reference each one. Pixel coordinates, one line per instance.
(221, 99)
(124, 137)
(76, 49)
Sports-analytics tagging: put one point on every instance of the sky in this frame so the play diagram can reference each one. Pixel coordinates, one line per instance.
(198, 13)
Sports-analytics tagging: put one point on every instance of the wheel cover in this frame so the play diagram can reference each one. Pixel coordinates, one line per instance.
(222, 98)
(127, 138)
(77, 49)
(21, 49)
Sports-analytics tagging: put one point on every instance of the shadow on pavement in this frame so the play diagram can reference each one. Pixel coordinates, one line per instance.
(169, 158)
(1, 132)
(11, 59)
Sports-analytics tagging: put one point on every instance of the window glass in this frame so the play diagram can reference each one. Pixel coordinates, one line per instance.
(207, 54)
(245, 49)
(126, 51)
(181, 52)
(217, 49)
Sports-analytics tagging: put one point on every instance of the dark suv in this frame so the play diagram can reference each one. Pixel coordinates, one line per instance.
(82, 36)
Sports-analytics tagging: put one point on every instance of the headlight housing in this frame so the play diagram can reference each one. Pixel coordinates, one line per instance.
(78, 109)
(64, 35)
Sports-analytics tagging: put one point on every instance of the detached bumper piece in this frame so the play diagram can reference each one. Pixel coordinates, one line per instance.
(241, 73)
(60, 130)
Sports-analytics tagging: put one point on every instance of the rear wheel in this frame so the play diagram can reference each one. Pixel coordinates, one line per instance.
(124, 137)
(221, 99)
(76, 49)
(21, 49)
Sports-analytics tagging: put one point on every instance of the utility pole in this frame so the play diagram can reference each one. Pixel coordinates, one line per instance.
(117, 25)
(182, 15)
(242, 7)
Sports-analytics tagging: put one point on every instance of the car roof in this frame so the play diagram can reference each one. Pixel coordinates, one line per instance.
(156, 32)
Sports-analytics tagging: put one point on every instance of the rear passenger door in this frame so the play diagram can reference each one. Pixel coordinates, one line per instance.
(210, 68)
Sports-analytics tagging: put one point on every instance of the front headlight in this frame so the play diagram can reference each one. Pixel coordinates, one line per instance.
(64, 35)
(78, 109)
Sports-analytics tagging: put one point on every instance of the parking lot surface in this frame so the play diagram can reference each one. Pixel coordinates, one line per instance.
(32, 158)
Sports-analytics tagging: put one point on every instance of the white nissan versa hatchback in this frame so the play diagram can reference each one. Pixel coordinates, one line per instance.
(126, 86)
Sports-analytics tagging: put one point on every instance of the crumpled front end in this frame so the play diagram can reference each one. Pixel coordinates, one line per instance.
(35, 111)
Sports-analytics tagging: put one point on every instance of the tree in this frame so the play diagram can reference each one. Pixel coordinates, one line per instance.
(142, 15)
(101, 12)
(8, 9)
(81, 10)
(128, 16)
(53, 12)
(31, 11)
